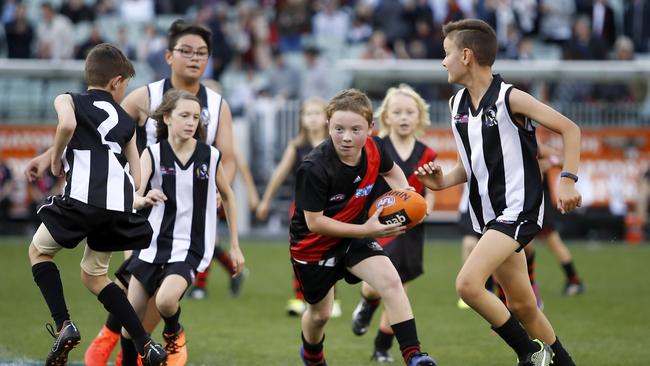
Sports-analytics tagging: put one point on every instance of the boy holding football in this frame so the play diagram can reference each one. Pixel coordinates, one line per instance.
(330, 236)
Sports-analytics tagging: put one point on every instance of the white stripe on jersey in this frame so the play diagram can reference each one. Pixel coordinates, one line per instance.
(210, 215)
(157, 211)
(183, 220)
(80, 175)
(115, 183)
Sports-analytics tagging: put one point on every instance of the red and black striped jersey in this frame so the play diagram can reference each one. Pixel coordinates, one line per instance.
(324, 183)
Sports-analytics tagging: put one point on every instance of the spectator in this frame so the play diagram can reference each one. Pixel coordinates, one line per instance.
(222, 52)
(636, 23)
(316, 77)
(77, 11)
(9, 9)
(331, 24)
(631, 91)
(55, 35)
(283, 78)
(389, 19)
(556, 20)
(20, 34)
(94, 38)
(137, 10)
(293, 21)
(6, 187)
(582, 46)
(104, 7)
(377, 48)
(122, 42)
(360, 29)
(603, 24)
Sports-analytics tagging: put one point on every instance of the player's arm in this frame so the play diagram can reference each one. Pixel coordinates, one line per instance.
(523, 104)
(136, 104)
(154, 196)
(131, 154)
(318, 223)
(225, 140)
(279, 175)
(247, 177)
(228, 202)
(395, 178)
(38, 165)
(430, 174)
(64, 107)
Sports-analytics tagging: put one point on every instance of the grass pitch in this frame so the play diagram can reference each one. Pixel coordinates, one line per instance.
(608, 325)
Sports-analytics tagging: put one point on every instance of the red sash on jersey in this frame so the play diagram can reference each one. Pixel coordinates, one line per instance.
(312, 246)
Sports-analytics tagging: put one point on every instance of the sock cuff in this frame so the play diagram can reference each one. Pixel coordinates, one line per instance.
(109, 291)
(42, 268)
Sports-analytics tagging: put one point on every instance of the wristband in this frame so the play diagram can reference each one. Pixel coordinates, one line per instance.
(569, 175)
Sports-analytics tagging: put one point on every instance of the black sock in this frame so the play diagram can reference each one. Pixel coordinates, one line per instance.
(116, 303)
(113, 323)
(171, 323)
(570, 272)
(516, 337)
(129, 353)
(561, 356)
(313, 352)
(48, 279)
(383, 340)
(407, 337)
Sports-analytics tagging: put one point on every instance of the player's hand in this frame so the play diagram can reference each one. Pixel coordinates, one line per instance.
(36, 168)
(430, 174)
(375, 229)
(57, 168)
(262, 211)
(238, 261)
(155, 196)
(568, 198)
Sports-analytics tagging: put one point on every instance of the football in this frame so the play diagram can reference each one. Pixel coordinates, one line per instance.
(401, 206)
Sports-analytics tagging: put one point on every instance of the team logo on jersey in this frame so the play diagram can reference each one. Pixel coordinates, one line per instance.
(202, 171)
(205, 116)
(167, 170)
(337, 197)
(461, 118)
(363, 191)
(490, 116)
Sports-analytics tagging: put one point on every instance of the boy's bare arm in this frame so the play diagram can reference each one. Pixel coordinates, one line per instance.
(136, 104)
(64, 107)
(522, 103)
(225, 141)
(230, 209)
(131, 154)
(395, 178)
(372, 228)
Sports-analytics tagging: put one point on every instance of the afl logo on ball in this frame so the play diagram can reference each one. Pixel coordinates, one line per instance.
(386, 201)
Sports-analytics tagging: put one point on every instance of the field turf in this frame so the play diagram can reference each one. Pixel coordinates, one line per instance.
(608, 325)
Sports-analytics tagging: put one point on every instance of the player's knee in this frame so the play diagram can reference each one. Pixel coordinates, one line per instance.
(94, 284)
(166, 304)
(390, 285)
(466, 288)
(319, 317)
(523, 309)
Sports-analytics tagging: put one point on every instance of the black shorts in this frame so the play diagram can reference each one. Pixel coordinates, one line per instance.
(317, 278)
(406, 252)
(465, 225)
(122, 274)
(521, 231)
(152, 275)
(70, 221)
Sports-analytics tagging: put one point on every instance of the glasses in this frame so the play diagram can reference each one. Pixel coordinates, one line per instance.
(189, 53)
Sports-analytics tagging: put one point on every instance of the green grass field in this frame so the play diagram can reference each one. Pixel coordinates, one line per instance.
(608, 325)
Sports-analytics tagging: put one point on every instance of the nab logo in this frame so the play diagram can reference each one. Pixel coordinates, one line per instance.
(398, 217)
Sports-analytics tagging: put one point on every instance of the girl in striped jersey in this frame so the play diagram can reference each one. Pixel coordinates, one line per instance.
(184, 175)
(491, 122)
(402, 116)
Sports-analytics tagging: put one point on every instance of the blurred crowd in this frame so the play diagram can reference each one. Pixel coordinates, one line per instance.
(252, 36)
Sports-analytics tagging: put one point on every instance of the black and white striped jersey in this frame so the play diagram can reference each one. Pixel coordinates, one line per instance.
(184, 226)
(210, 108)
(96, 169)
(500, 158)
